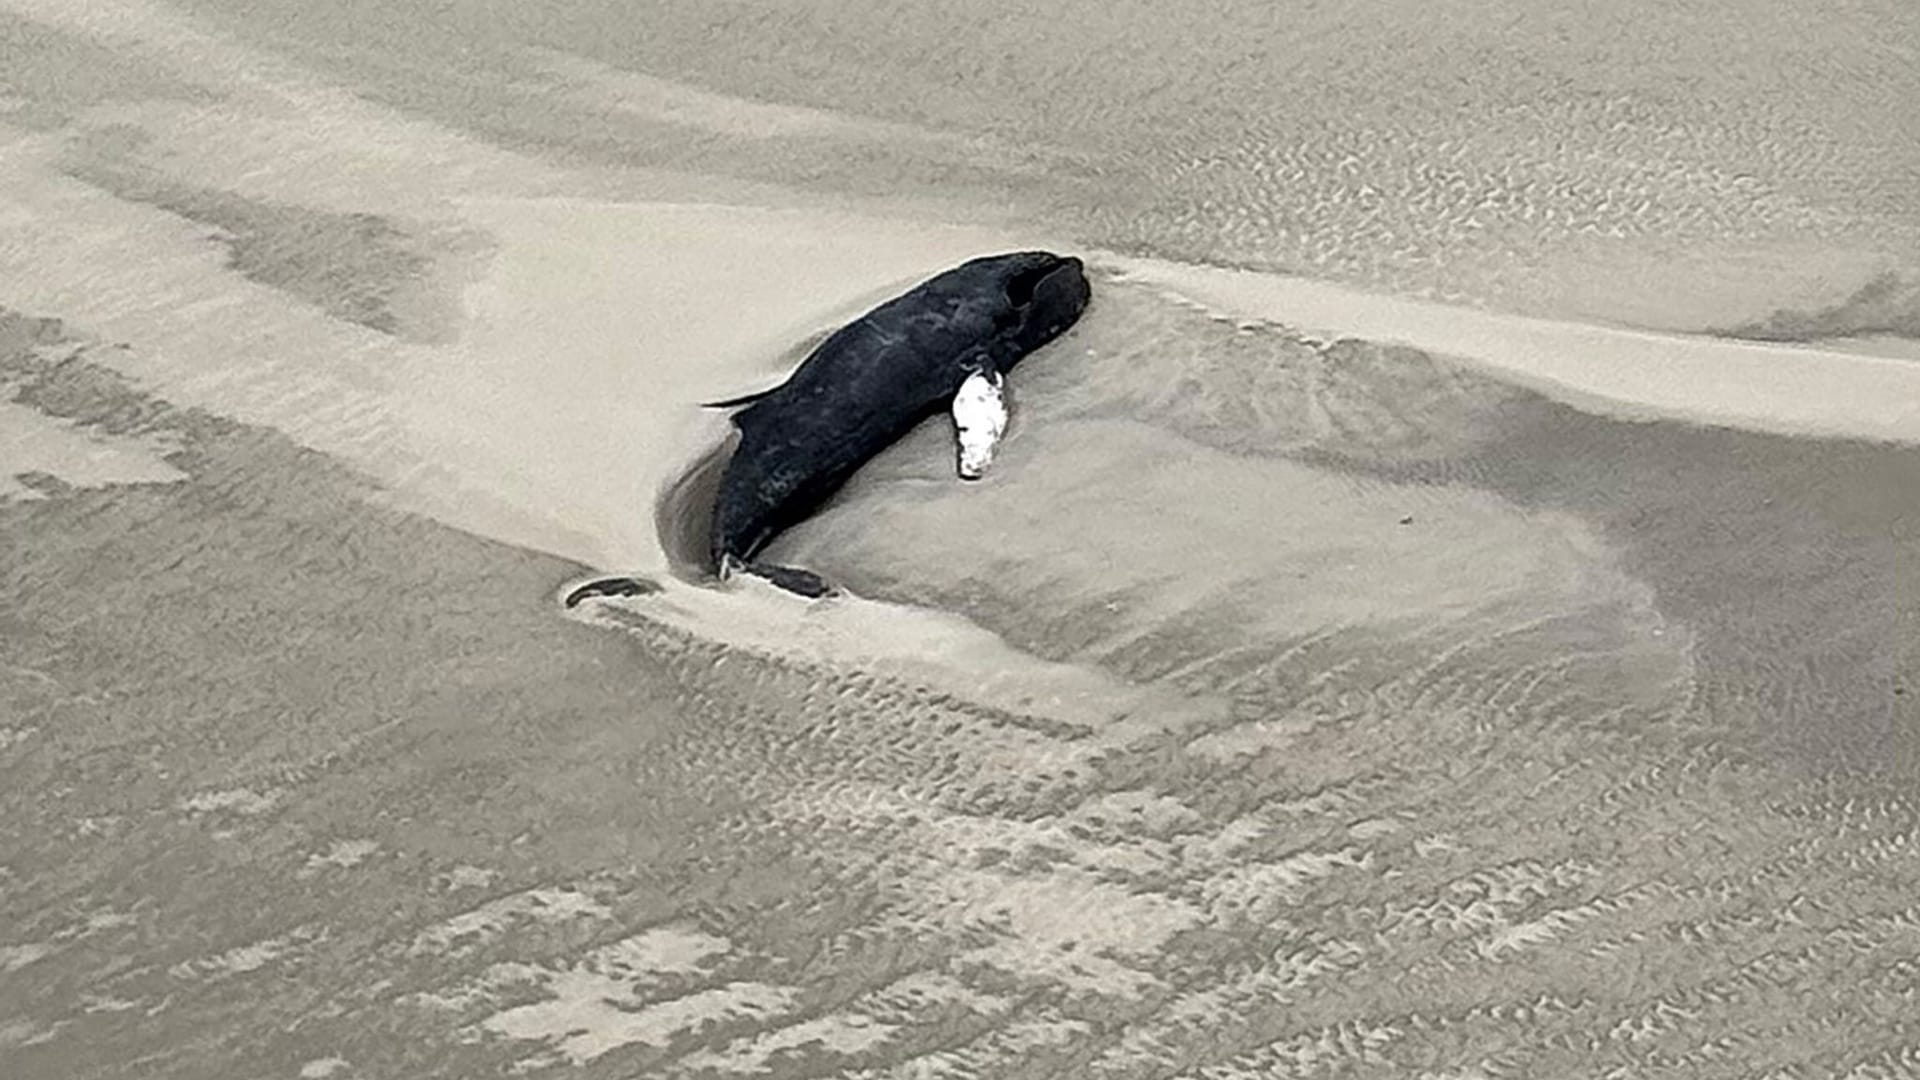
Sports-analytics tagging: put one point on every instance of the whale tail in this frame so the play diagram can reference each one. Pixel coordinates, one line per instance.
(790, 578)
(794, 580)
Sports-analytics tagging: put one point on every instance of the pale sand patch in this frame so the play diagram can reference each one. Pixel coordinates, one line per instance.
(591, 1014)
(1790, 390)
(33, 442)
(24, 1032)
(626, 968)
(107, 919)
(237, 800)
(467, 876)
(341, 855)
(605, 1000)
(665, 950)
(470, 929)
(15, 957)
(244, 958)
(840, 1033)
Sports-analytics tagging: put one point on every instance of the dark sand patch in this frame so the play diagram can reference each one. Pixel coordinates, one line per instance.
(1796, 561)
(683, 514)
(400, 278)
(1889, 304)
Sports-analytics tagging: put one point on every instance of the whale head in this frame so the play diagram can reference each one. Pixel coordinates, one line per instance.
(1042, 295)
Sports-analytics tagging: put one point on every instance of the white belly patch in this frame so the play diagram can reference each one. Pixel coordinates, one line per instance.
(979, 419)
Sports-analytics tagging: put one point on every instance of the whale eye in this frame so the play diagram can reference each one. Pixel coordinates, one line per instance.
(1021, 286)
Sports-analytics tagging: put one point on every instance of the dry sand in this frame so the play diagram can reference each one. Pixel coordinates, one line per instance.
(1460, 655)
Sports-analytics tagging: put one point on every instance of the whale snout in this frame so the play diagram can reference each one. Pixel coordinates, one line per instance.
(1049, 292)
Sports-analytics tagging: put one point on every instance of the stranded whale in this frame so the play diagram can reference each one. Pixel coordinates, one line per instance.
(945, 344)
(876, 378)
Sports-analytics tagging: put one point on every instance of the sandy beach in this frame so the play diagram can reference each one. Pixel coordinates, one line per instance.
(1448, 610)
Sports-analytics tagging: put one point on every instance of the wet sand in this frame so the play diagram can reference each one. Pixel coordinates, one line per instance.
(1488, 649)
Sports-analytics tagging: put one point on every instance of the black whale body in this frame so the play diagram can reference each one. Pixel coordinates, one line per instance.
(864, 387)
(873, 381)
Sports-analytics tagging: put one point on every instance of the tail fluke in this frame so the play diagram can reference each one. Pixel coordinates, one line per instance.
(791, 578)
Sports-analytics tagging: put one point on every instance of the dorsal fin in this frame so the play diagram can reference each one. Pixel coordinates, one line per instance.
(744, 399)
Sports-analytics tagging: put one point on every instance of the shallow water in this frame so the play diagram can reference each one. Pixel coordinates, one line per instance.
(1291, 699)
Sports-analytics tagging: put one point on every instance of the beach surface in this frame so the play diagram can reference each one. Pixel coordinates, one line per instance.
(1450, 609)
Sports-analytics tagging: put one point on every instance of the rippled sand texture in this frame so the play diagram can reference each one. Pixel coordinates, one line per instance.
(1693, 165)
(1291, 700)
(1630, 787)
